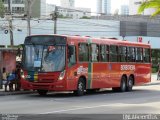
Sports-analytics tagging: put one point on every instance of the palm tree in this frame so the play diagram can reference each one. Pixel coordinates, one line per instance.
(150, 4)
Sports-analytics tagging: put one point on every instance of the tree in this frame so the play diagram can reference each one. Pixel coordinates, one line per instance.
(1, 9)
(150, 4)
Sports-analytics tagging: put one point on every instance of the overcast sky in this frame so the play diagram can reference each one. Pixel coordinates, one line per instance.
(92, 4)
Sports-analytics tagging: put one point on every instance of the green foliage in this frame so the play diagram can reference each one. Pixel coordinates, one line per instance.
(1, 9)
(85, 17)
(154, 70)
(61, 16)
(150, 4)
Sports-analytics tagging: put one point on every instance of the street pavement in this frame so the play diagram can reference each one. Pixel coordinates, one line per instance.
(104, 105)
(154, 81)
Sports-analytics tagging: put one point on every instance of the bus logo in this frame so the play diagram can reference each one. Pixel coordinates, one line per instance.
(82, 70)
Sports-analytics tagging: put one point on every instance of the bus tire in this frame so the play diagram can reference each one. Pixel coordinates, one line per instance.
(130, 83)
(123, 84)
(80, 87)
(42, 92)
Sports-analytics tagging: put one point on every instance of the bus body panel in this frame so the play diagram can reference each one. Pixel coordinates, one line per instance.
(96, 74)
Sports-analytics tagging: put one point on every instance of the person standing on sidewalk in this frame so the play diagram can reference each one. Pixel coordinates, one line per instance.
(4, 78)
(18, 77)
(158, 74)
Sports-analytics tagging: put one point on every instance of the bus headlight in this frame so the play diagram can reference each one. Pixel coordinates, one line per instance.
(61, 76)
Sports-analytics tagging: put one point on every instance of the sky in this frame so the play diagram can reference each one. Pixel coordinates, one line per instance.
(92, 4)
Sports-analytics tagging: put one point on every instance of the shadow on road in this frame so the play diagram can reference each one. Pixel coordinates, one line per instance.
(109, 93)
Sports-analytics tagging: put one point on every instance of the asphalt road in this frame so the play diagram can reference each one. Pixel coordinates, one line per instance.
(143, 99)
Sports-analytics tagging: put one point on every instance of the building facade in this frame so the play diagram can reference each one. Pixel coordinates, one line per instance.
(75, 13)
(83, 27)
(134, 5)
(124, 10)
(38, 8)
(99, 6)
(17, 6)
(69, 10)
(68, 3)
(104, 6)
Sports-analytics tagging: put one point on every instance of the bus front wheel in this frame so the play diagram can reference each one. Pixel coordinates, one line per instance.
(80, 87)
(42, 92)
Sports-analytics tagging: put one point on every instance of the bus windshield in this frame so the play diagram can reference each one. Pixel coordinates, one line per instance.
(44, 58)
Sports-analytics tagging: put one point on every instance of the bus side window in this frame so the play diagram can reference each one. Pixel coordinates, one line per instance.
(139, 55)
(104, 53)
(146, 55)
(83, 52)
(113, 53)
(94, 52)
(71, 55)
(123, 53)
(131, 54)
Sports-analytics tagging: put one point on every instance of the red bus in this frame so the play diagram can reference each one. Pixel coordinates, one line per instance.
(80, 64)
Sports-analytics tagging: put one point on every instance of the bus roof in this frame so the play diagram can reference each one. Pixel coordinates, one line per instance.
(99, 40)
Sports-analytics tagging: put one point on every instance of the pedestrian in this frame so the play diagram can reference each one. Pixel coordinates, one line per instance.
(158, 74)
(18, 77)
(4, 78)
(11, 78)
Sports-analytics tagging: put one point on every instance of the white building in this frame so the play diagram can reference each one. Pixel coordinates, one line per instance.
(99, 6)
(83, 27)
(124, 10)
(68, 10)
(104, 6)
(75, 13)
(49, 9)
(134, 5)
(68, 3)
(43, 9)
(17, 6)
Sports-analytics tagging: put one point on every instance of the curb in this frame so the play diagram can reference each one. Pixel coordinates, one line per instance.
(3, 93)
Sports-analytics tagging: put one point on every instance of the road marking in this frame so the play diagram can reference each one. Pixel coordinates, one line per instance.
(80, 108)
(98, 106)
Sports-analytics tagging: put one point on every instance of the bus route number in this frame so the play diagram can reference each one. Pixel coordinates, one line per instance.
(127, 67)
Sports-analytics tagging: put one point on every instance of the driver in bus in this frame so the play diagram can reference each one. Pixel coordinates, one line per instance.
(54, 59)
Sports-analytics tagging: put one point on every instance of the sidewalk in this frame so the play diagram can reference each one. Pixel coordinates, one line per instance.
(3, 93)
(154, 81)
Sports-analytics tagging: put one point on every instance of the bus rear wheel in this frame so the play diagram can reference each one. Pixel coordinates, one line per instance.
(130, 84)
(42, 92)
(123, 85)
(80, 87)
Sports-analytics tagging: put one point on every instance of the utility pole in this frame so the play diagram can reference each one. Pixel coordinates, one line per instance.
(10, 23)
(28, 17)
(54, 17)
